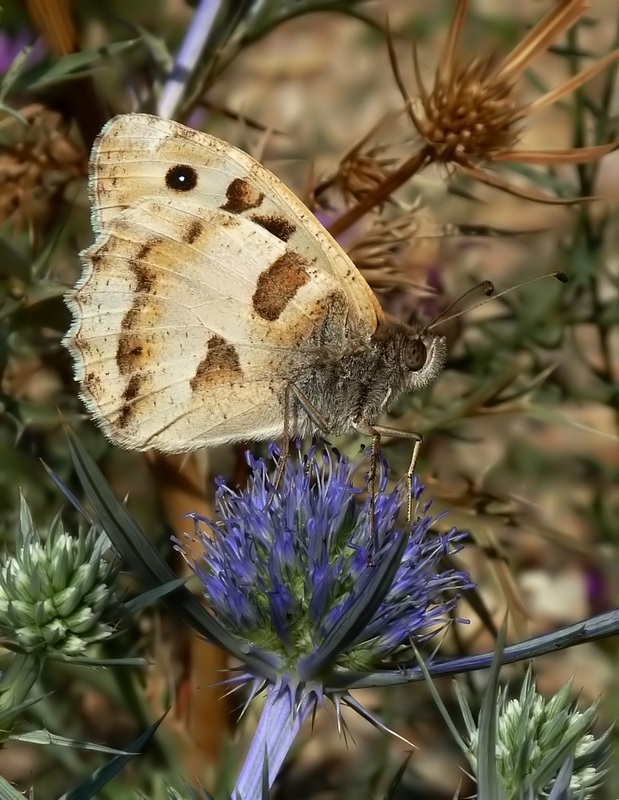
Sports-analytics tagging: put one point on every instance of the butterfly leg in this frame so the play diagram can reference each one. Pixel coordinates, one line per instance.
(418, 439)
(370, 430)
(311, 411)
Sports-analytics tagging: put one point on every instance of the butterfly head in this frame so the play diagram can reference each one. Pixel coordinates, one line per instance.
(414, 357)
(423, 356)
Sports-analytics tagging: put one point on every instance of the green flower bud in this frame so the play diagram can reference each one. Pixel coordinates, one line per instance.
(55, 592)
(534, 738)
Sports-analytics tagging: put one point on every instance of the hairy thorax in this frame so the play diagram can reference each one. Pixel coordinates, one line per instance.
(361, 382)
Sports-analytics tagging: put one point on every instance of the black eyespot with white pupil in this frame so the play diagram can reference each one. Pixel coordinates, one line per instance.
(415, 355)
(181, 178)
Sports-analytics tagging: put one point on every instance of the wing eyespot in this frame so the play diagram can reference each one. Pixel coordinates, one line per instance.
(181, 178)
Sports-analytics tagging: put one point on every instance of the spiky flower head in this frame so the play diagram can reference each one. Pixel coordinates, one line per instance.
(312, 596)
(296, 574)
(364, 167)
(377, 253)
(57, 590)
(536, 737)
(38, 161)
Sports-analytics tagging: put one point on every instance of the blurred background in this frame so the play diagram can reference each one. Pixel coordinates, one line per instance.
(520, 430)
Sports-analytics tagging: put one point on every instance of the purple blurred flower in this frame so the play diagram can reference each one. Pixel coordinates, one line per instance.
(11, 45)
(291, 579)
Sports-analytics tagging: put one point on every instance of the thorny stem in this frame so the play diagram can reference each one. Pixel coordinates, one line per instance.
(277, 729)
(410, 167)
(592, 629)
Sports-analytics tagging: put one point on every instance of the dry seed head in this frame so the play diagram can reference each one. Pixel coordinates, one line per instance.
(384, 239)
(364, 167)
(360, 172)
(378, 254)
(471, 115)
(36, 164)
(474, 114)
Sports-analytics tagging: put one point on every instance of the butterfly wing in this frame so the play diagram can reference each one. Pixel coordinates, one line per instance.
(135, 152)
(192, 315)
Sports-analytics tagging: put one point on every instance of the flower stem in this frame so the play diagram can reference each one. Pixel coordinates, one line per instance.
(279, 723)
(188, 58)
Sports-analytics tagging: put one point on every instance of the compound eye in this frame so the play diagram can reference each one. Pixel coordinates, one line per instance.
(415, 355)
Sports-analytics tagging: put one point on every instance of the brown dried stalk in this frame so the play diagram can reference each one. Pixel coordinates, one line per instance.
(204, 726)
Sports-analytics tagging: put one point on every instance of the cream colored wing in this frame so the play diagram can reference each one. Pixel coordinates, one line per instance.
(183, 338)
(138, 156)
(208, 288)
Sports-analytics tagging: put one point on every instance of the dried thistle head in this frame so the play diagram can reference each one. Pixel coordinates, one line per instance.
(399, 258)
(376, 251)
(471, 114)
(363, 168)
(361, 172)
(474, 114)
(37, 162)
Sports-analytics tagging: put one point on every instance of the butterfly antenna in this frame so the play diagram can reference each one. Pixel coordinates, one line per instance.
(488, 290)
(487, 287)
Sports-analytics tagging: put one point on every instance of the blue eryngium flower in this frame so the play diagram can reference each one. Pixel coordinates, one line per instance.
(295, 575)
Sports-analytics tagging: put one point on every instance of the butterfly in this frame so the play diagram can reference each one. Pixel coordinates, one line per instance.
(213, 307)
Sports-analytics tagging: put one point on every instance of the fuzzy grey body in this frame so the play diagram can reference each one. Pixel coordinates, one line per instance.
(356, 387)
